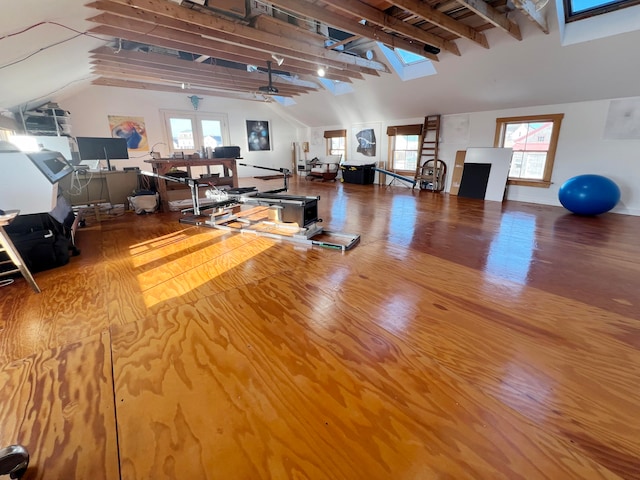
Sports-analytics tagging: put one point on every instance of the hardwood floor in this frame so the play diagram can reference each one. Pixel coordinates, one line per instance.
(460, 339)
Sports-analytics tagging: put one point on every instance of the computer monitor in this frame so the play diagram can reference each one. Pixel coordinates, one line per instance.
(97, 148)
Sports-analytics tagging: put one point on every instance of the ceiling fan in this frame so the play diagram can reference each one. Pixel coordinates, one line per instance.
(269, 89)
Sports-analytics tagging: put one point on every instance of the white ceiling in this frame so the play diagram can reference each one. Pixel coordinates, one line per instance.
(534, 71)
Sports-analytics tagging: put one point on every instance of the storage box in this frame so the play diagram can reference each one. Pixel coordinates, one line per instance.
(362, 174)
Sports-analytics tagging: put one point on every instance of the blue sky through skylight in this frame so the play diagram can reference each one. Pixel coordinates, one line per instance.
(582, 5)
(409, 57)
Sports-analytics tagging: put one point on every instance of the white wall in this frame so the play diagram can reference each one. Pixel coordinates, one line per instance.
(582, 148)
(90, 108)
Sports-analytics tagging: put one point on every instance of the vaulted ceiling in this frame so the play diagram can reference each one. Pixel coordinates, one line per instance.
(227, 47)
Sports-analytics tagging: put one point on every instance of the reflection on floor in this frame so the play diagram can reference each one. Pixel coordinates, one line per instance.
(460, 339)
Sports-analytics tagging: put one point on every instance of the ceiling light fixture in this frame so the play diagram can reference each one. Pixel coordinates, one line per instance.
(321, 72)
(278, 60)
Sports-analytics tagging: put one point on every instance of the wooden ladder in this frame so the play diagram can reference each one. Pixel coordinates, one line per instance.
(429, 169)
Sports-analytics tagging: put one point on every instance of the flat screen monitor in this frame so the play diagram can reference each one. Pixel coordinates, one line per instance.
(97, 148)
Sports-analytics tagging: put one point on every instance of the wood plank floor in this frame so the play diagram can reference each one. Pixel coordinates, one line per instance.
(461, 339)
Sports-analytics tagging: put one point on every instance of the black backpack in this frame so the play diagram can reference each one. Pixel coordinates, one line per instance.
(42, 241)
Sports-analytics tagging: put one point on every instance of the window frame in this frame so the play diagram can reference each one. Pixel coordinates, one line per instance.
(498, 142)
(329, 135)
(403, 130)
(570, 16)
(196, 124)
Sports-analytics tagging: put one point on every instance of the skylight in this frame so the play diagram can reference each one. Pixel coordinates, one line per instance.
(409, 58)
(407, 65)
(583, 8)
(586, 20)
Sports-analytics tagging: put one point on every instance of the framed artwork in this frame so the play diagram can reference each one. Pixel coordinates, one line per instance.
(623, 120)
(365, 143)
(258, 135)
(132, 129)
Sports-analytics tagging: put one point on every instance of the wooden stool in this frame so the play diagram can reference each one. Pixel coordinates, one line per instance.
(6, 245)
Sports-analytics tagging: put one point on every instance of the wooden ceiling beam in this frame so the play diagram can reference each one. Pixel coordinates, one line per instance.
(173, 78)
(114, 82)
(161, 10)
(233, 54)
(163, 74)
(122, 16)
(351, 26)
(431, 15)
(163, 59)
(343, 42)
(491, 15)
(373, 15)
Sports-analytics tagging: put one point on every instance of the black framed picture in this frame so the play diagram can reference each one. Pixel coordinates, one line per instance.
(258, 135)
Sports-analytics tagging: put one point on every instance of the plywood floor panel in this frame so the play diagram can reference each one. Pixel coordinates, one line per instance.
(459, 339)
(358, 404)
(59, 405)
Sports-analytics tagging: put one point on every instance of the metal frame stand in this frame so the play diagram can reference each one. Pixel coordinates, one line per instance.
(280, 209)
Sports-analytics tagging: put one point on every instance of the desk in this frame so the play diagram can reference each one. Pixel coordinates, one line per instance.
(162, 166)
(86, 187)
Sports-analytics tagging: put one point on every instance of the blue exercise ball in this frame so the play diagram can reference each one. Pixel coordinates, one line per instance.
(589, 194)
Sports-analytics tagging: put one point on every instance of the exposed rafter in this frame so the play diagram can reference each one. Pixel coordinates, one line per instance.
(375, 16)
(351, 26)
(217, 49)
(443, 21)
(136, 65)
(171, 15)
(491, 15)
(113, 82)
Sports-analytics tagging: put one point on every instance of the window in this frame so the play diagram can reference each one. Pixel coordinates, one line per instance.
(581, 9)
(403, 147)
(534, 140)
(409, 58)
(336, 143)
(407, 65)
(189, 132)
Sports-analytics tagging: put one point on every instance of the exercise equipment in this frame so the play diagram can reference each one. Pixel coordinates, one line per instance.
(271, 214)
(395, 175)
(589, 194)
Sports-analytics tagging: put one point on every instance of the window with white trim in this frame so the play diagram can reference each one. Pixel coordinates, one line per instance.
(403, 147)
(534, 140)
(189, 132)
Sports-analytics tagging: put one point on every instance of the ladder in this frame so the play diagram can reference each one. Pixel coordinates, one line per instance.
(430, 170)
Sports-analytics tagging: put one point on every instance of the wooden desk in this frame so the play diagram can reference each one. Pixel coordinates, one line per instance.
(162, 166)
(84, 187)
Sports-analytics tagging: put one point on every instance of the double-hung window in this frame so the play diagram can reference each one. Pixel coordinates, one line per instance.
(336, 143)
(534, 140)
(403, 147)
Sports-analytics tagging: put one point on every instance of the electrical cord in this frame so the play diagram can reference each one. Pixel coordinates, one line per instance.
(42, 49)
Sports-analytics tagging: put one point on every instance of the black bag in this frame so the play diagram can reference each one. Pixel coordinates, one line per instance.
(42, 250)
(42, 241)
